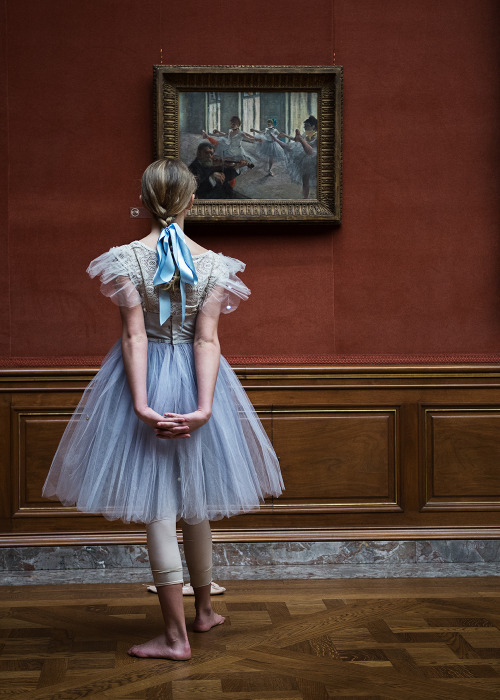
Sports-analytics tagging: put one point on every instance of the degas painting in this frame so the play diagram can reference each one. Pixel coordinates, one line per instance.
(250, 145)
(264, 142)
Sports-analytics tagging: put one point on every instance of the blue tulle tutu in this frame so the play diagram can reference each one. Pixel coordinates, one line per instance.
(110, 462)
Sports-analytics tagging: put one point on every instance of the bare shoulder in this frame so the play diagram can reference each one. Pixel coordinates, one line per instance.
(195, 248)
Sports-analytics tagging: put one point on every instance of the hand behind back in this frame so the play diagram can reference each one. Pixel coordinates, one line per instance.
(180, 425)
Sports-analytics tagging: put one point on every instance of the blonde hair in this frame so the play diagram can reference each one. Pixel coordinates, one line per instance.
(167, 187)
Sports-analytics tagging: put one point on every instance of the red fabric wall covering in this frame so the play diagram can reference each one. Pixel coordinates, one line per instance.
(4, 160)
(411, 275)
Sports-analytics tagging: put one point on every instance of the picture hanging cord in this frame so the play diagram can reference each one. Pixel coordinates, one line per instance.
(333, 30)
(161, 33)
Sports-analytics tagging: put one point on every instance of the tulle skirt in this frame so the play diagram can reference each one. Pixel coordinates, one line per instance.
(270, 149)
(109, 462)
(232, 149)
(301, 164)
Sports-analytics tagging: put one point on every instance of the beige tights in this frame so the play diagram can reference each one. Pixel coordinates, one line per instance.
(165, 558)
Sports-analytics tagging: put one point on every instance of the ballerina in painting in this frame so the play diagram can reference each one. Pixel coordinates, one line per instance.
(267, 149)
(302, 154)
(230, 145)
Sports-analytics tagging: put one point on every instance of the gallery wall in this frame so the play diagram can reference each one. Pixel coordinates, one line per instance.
(412, 274)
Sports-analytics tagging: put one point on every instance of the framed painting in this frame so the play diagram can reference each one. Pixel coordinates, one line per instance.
(264, 142)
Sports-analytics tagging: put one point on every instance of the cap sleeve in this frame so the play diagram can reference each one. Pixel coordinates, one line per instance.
(116, 279)
(225, 290)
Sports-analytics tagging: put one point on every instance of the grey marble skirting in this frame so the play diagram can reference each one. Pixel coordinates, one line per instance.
(259, 560)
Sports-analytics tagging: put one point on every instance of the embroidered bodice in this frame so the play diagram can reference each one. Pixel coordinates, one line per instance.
(141, 262)
(127, 274)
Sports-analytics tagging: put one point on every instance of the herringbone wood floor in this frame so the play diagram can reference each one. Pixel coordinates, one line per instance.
(283, 640)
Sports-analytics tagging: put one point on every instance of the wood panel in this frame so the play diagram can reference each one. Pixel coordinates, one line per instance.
(37, 434)
(335, 459)
(371, 451)
(38, 421)
(462, 454)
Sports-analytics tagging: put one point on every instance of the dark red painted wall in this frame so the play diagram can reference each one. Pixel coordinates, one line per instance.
(412, 274)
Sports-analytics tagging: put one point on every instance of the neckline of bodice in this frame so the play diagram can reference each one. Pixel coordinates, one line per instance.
(151, 250)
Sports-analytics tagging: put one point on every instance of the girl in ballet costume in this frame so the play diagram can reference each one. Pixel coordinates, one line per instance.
(267, 149)
(165, 431)
(230, 145)
(302, 154)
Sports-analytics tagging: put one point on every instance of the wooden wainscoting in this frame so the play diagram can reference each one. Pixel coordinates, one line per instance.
(366, 453)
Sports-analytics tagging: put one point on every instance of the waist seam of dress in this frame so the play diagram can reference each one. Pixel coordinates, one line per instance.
(170, 341)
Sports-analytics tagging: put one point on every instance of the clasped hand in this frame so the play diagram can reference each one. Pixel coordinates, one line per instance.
(180, 425)
(173, 425)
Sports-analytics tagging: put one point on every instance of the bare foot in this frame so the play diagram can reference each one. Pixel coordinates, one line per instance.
(160, 648)
(205, 621)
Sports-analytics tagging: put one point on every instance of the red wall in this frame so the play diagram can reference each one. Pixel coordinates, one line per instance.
(413, 273)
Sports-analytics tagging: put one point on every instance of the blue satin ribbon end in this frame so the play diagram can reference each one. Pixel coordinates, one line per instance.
(173, 254)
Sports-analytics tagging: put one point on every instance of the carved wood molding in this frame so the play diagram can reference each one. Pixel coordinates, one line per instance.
(279, 371)
(346, 362)
(27, 539)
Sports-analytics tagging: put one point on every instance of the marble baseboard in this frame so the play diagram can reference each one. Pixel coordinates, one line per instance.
(259, 560)
(227, 573)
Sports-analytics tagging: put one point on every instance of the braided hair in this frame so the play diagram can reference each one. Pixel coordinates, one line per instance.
(166, 189)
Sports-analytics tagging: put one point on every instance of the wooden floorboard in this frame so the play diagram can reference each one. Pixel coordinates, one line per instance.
(283, 640)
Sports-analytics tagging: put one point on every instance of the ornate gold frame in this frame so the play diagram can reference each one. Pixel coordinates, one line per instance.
(326, 81)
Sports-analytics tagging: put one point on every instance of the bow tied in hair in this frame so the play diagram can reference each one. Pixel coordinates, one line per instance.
(174, 263)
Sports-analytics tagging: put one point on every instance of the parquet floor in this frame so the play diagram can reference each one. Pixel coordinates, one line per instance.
(283, 640)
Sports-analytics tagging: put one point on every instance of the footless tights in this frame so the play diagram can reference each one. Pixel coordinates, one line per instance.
(165, 558)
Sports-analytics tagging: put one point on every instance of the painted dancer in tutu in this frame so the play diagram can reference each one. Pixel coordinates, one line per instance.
(165, 431)
(230, 145)
(302, 154)
(267, 149)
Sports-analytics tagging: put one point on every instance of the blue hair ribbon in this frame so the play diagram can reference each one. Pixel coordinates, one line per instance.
(173, 254)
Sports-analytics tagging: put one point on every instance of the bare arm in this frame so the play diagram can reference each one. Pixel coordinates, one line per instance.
(206, 350)
(305, 145)
(135, 360)
(249, 138)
